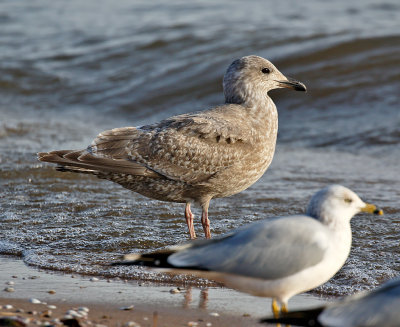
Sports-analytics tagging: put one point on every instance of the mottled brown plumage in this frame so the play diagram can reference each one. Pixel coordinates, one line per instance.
(193, 157)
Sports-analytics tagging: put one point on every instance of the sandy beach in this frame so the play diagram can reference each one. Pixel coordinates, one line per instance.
(124, 303)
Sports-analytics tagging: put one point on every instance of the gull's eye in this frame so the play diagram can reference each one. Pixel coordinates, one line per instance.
(347, 200)
(265, 70)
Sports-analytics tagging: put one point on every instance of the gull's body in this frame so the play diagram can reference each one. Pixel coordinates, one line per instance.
(313, 263)
(378, 308)
(277, 257)
(192, 158)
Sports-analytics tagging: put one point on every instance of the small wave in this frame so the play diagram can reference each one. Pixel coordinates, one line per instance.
(77, 263)
(19, 129)
(367, 138)
(344, 63)
(385, 6)
(353, 47)
(9, 248)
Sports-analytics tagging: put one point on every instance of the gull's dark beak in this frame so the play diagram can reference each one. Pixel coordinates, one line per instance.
(291, 83)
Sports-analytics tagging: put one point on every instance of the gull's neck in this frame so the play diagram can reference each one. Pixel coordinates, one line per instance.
(333, 218)
(340, 231)
(262, 108)
(259, 106)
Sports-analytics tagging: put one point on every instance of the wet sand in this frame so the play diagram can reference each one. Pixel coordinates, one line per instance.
(146, 304)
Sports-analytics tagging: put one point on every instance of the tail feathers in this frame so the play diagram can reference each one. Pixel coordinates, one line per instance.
(65, 160)
(157, 259)
(298, 318)
(53, 156)
(84, 162)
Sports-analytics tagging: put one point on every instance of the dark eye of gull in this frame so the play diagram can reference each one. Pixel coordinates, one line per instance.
(265, 70)
(348, 200)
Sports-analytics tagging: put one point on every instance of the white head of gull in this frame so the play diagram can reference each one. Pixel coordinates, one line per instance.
(192, 158)
(277, 257)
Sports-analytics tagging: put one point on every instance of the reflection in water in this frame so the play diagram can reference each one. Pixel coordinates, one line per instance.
(203, 298)
(188, 298)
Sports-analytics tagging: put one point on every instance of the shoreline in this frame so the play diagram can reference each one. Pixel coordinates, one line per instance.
(106, 299)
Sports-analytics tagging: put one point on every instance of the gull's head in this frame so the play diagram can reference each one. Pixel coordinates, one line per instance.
(335, 204)
(250, 78)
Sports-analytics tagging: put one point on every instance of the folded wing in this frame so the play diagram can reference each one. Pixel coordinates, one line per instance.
(262, 250)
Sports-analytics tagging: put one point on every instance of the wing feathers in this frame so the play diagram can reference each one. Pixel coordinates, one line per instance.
(297, 318)
(114, 143)
(187, 148)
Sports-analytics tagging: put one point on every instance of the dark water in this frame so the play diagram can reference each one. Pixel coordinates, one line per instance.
(69, 70)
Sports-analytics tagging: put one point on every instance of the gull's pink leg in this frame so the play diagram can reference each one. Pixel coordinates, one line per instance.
(189, 221)
(205, 221)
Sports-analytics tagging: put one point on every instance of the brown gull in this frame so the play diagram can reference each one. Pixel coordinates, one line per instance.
(193, 157)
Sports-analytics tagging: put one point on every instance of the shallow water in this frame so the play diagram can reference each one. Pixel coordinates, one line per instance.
(70, 70)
